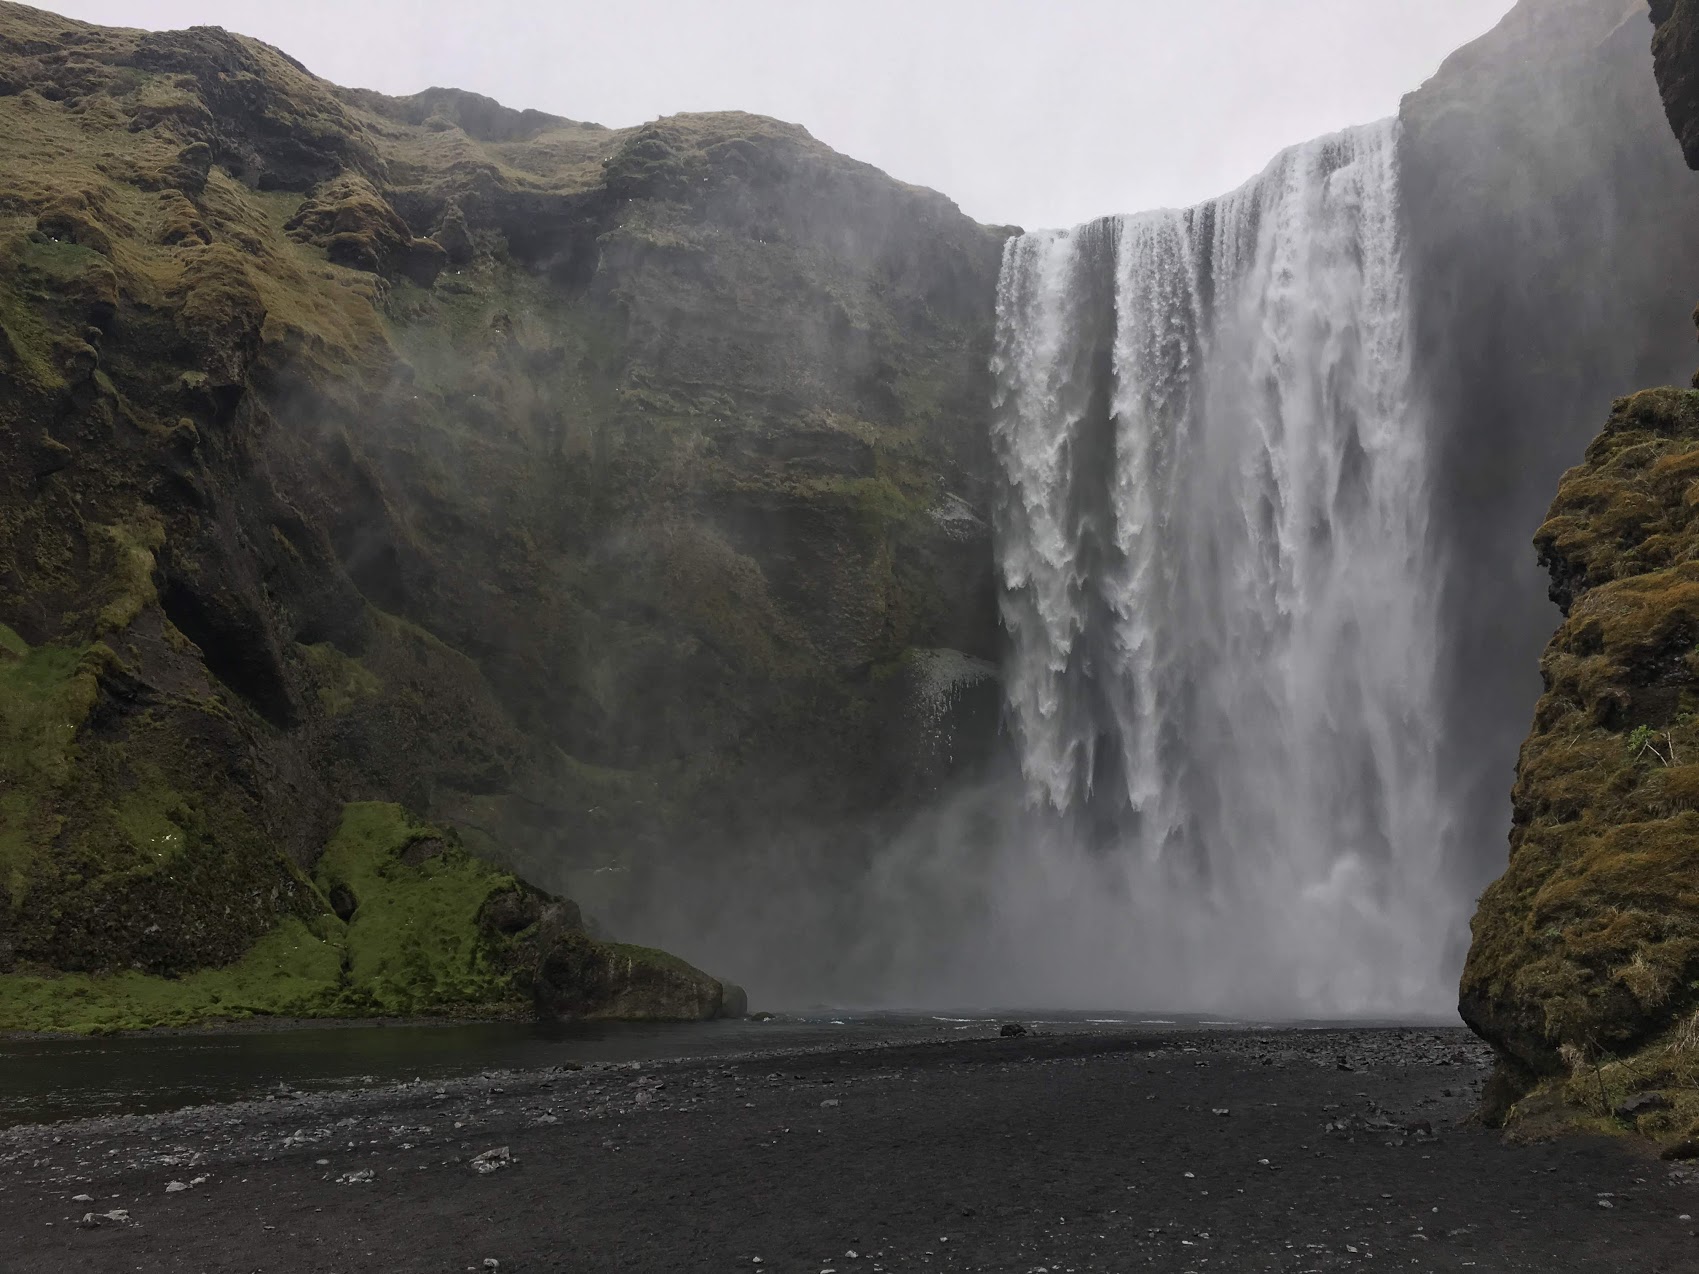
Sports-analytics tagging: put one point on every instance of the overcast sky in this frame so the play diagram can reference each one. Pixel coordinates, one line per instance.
(1033, 112)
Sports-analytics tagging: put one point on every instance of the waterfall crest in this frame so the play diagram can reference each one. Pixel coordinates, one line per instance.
(1218, 585)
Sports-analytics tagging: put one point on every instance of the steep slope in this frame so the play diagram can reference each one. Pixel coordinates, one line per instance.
(596, 494)
(1584, 973)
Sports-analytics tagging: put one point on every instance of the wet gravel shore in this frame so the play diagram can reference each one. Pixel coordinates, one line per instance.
(1233, 1151)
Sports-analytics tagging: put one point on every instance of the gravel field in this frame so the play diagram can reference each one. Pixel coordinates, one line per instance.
(1188, 1150)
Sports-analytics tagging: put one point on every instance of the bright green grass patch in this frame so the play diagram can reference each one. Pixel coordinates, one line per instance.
(44, 695)
(413, 942)
(342, 681)
(413, 945)
(293, 971)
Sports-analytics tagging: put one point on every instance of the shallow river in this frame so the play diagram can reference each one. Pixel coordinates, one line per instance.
(44, 1080)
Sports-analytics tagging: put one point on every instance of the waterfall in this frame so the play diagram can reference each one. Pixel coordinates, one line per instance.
(1218, 587)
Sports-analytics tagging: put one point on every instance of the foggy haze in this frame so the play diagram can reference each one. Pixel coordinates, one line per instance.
(1024, 112)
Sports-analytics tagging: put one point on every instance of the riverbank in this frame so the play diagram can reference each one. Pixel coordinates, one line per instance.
(1186, 1150)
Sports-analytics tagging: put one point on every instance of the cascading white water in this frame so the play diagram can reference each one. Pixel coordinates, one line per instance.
(1218, 587)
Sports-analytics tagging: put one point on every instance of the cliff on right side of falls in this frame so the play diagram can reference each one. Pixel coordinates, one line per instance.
(1552, 269)
(1584, 970)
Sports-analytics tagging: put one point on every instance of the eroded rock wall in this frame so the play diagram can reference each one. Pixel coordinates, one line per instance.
(1584, 972)
(583, 489)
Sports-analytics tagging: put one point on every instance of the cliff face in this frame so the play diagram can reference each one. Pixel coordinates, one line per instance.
(1675, 51)
(1584, 973)
(1551, 263)
(596, 494)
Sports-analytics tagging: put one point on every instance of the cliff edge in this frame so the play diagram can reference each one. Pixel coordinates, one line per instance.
(587, 495)
(1584, 972)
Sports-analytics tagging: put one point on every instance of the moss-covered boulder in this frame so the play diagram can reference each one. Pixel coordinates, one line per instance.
(578, 977)
(1584, 973)
(397, 919)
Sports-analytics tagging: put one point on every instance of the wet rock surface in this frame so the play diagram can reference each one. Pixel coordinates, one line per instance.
(1060, 1152)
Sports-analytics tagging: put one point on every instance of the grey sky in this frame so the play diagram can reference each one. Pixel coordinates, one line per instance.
(1036, 112)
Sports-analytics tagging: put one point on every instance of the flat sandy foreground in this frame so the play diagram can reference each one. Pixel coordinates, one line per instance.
(1187, 1151)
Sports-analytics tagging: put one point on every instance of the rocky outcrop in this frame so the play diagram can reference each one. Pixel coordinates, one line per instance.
(581, 490)
(1586, 951)
(1584, 971)
(1551, 266)
(1675, 52)
(395, 919)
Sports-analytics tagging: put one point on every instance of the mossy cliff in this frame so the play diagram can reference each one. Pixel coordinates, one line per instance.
(576, 489)
(1584, 972)
(397, 919)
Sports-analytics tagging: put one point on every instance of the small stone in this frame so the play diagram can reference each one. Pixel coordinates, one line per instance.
(172, 1187)
(1012, 1030)
(491, 1160)
(1642, 1104)
(1221, 1112)
(829, 1103)
(82, 1198)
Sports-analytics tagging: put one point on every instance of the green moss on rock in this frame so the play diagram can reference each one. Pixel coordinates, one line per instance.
(413, 941)
(403, 922)
(293, 971)
(558, 483)
(1586, 952)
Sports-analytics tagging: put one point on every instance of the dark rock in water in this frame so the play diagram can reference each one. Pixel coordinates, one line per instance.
(1642, 1104)
(734, 1000)
(1680, 1151)
(1012, 1030)
(578, 977)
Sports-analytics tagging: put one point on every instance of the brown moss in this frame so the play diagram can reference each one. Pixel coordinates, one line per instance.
(1588, 946)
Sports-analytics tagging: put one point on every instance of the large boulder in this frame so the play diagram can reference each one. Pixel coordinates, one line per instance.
(579, 977)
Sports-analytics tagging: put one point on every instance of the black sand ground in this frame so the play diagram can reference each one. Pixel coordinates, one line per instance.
(1049, 1153)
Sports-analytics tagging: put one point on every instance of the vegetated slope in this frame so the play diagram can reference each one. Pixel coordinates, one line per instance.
(593, 493)
(1584, 972)
(1552, 266)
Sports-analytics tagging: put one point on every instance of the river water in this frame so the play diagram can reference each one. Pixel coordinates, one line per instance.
(48, 1080)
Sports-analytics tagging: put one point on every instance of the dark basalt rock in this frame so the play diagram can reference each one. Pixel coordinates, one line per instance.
(1675, 50)
(578, 977)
